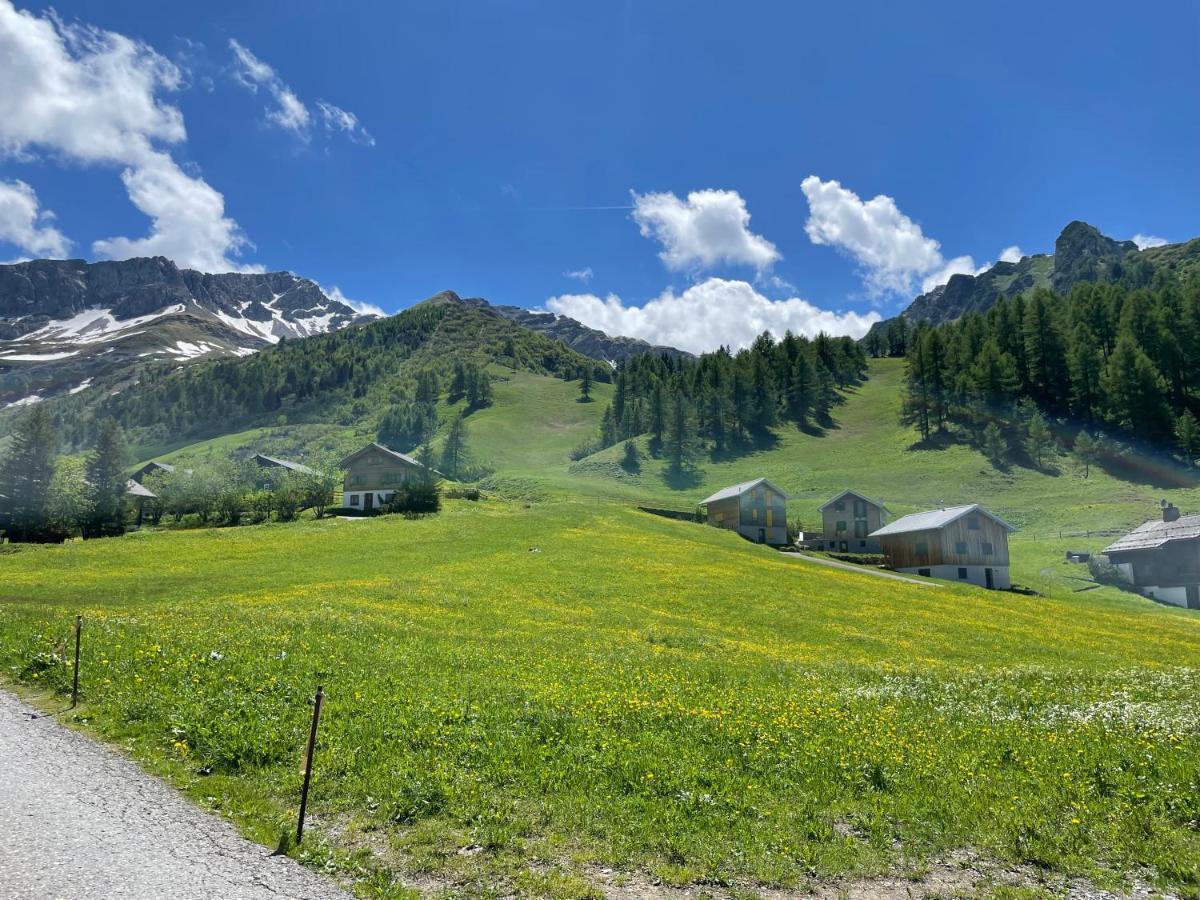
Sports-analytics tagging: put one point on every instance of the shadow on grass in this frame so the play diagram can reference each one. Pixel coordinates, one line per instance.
(682, 479)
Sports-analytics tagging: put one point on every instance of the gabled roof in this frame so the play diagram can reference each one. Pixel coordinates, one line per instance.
(133, 489)
(268, 461)
(936, 518)
(375, 446)
(1155, 533)
(738, 489)
(834, 500)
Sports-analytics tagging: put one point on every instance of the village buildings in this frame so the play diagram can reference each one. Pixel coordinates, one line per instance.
(1161, 558)
(959, 543)
(757, 510)
(847, 523)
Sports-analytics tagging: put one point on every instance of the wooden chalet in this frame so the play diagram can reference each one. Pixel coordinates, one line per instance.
(374, 473)
(757, 510)
(959, 543)
(847, 523)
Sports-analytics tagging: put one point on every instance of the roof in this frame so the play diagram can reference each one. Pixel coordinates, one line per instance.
(136, 490)
(834, 500)
(375, 445)
(738, 489)
(263, 460)
(152, 466)
(1155, 533)
(935, 519)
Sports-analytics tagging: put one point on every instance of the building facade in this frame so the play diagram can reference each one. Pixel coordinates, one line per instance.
(847, 523)
(1161, 558)
(959, 543)
(373, 474)
(757, 510)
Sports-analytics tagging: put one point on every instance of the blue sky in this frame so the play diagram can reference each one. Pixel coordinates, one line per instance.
(394, 150)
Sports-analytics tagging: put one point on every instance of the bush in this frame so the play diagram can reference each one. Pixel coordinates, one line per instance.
(415, 499)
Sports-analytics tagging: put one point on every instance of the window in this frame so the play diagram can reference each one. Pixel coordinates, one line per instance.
(987, 549)
(922, 548)
(840, 506)
(860, 509)
(962, 573)
(973, 523)
(770, 517)
(754, 514)
(961, 548)
(354, 499)
(358, 479)
(924, 573)
(862, 544)
(841, 526)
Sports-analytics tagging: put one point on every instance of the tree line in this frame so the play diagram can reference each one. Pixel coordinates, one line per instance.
(723, 403)
(1104, 360)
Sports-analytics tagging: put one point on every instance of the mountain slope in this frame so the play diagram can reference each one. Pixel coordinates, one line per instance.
(1081, 254)
(65, 324)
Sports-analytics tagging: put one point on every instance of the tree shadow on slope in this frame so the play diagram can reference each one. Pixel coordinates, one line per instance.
(682, 479)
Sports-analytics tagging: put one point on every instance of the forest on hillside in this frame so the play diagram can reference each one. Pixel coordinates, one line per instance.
(1104, 362)
(721, 403)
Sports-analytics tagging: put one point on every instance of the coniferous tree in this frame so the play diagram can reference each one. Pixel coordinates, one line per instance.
(658, 417)
(106, 477)
(26, 474)
(1187, 436)
(682, 445)
(454, 449)
(585, 384)
(993, 444)
(1087, 449)
(1038, 437)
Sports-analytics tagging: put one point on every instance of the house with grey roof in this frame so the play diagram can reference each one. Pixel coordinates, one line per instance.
(847, 521)
(957, 543)
(374, 473)
(1161, 558)
(757, 510)
(151, 468)
(270, 462)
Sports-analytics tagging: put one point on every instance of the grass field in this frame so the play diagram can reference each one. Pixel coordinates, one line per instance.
(520, 692)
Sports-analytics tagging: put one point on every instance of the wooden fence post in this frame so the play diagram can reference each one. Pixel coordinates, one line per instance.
(75, 676)
(308, 761)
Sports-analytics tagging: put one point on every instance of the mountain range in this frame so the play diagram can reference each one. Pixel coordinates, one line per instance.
(64, 324)
(1081, 254)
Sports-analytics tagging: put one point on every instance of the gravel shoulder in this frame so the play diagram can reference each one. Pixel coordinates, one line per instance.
(79, 820)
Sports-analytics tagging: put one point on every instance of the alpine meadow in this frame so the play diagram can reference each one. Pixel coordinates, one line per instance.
(674, 452)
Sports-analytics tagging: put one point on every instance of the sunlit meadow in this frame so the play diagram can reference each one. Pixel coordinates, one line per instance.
(556, 686)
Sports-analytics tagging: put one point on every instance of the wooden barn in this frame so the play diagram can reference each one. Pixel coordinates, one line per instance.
(959, 543)
(757, 510)
(373, 474)
(151, 468)
(1161, 558)
(847, 522)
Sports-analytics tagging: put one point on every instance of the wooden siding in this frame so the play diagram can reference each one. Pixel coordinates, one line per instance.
(857, 527)
(942, 548)
(377, 471)
(724, 513)
(1176, 563)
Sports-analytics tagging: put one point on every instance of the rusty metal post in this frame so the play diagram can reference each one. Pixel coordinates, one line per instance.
(308, 760)
(75, 677)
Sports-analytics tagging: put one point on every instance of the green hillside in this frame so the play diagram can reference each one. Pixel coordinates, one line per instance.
(565, 687)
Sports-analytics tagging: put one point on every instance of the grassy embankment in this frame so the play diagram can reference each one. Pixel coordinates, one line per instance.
(571, 683)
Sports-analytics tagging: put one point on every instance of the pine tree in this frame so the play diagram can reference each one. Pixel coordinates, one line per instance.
(917, 403)
(630, 459)
(1088, 451)
(479, 389)
(658, 417)
(585, 385)
(608, 427)
(106, 476)
(26, 475)
(1187, 436)
(801, 390)
(682, 443)
(1038, 437)
(993, 444)
(454, 450)
(1135, 393)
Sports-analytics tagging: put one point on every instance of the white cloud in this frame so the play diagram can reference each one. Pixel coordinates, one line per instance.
(338, 119)
(91, 96)
(289, 113)
(335, 293)
(584, 275)
(26, 225)
(711, 227)
(1145, 241)
(887, 244)
(716, 312)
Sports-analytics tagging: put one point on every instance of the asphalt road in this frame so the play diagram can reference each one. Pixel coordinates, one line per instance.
(78, 820)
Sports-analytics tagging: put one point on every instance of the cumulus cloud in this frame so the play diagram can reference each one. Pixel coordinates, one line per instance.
(716, 312)
(710, 227)
(90, 96)
(360, 306)
(26, 225)
(1144, 241)
(890, 248)
(584, 274)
